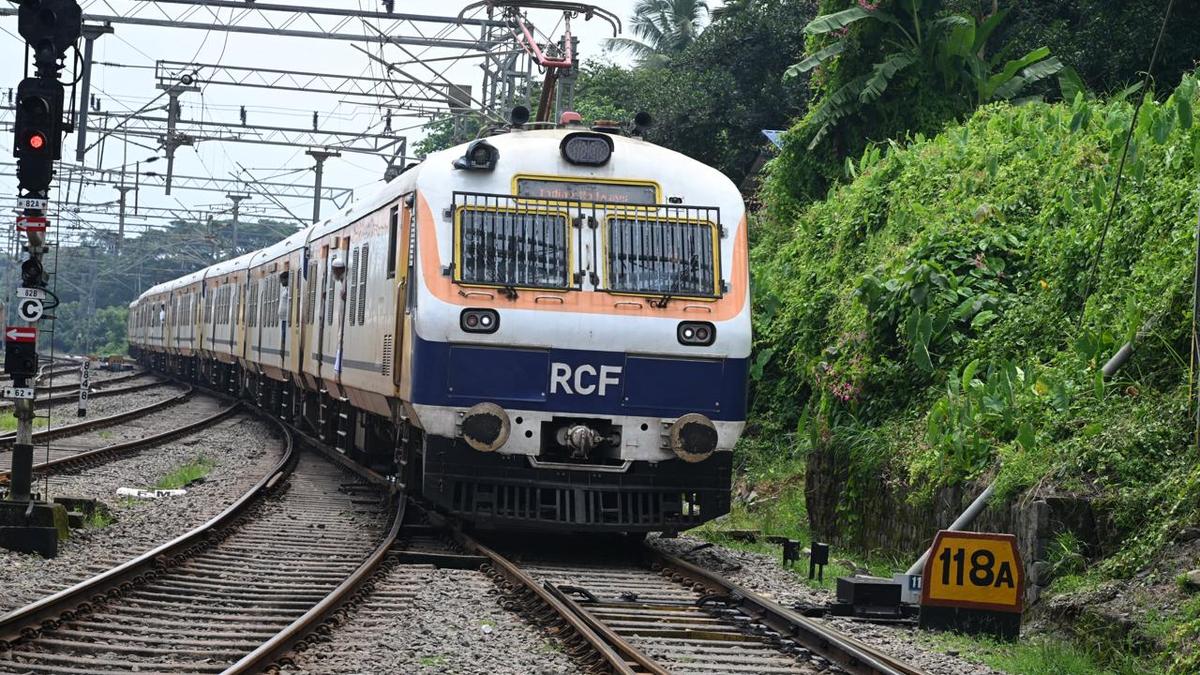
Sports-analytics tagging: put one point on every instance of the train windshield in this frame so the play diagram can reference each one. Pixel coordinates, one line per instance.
(510, 247)
(647, 254)
(526, 242)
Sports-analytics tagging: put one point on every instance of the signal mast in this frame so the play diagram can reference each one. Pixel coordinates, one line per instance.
(49, 28)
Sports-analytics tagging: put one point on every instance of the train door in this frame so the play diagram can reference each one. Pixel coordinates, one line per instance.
(330, 346)
(401, 255)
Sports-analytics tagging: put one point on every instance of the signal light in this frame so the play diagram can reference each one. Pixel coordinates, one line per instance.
(39, 108)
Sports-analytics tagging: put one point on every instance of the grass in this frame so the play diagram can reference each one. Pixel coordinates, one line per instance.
(99, 519)
(187, 474)
(783, 514)
(1037, 656)
(431, 661)
(105, 434)
(9, 423)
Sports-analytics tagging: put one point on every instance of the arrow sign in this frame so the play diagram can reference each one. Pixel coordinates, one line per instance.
(20, 334)
(31, 223)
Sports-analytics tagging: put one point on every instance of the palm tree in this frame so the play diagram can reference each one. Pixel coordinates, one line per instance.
(664, 28)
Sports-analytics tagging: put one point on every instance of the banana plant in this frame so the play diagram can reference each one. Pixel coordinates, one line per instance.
(918, 35)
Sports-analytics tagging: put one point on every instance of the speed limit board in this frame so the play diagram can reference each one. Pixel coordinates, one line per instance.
(974, 570)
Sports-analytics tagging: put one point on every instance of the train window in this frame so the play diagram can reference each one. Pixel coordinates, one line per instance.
(659, 255)
(329, 294)
(310, 304)
(513, 248)
(352, 289)
(393, 230)
(362, 285)
(252, 304)
(270, 307)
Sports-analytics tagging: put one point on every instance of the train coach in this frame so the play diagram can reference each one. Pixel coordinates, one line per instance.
(544, 328)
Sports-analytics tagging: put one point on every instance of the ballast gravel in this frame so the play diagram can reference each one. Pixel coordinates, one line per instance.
(63, 414)
(243, 449)
(426, 620)
(764, 575)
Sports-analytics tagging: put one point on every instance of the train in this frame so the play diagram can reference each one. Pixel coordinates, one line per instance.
(547, 328)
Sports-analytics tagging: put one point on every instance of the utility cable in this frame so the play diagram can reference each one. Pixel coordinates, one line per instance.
(1116, 196)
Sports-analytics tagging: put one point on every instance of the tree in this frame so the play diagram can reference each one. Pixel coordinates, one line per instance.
(664, 28)
(947, 51)
(1107, 41)
(712, 101)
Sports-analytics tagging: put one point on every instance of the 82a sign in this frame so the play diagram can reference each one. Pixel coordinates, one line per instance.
(975, 570)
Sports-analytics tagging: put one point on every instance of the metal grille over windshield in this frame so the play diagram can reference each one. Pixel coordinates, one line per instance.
(654, 255)
(514, 248)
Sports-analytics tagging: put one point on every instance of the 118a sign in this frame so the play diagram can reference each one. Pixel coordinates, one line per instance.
(974, 570)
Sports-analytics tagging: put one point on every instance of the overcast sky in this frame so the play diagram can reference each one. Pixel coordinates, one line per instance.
(123, 78)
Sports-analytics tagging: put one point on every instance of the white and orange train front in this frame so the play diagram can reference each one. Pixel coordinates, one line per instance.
(580, 334)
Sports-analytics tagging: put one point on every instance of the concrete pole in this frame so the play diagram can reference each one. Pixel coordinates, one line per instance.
(173, 141)
(123, 189)
(90, 33)
(320, 156)
(237, 205)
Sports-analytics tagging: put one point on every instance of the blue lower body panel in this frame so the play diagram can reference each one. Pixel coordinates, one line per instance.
(581, 382)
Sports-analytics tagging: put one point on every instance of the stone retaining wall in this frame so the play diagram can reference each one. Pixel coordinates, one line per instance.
(886, 522)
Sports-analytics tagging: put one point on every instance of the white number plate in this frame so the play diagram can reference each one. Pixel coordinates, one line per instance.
(35, 293)
(18, 392)
(32, 203)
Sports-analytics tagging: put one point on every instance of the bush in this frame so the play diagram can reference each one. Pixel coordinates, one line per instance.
(946, 284)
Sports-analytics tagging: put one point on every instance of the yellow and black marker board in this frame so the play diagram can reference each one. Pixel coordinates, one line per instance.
(973, 582)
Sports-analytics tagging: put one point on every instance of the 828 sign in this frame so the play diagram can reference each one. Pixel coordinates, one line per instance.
(974, 570)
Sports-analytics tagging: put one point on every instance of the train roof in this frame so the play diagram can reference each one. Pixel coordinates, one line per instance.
(533, 151)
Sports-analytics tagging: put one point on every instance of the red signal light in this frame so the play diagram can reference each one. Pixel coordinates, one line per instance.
(37, 140)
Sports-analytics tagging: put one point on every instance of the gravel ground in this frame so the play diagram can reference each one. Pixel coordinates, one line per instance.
(243, 449)
(65, 413)
(764, 575)
(426, 620)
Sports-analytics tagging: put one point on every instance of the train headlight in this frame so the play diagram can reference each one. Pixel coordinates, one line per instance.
(479, 320)
(480, 156)
(696, 333)
(485, 427)
(693, 437)
(586, 148)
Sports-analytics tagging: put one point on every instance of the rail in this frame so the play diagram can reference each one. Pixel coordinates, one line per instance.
(100, 422)
(25, 622)
(117, 449)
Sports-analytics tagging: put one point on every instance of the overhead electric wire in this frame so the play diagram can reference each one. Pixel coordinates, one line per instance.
(1116, 196)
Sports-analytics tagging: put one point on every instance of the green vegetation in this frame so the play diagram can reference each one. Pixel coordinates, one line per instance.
(664, 28)
(99, 519)
(1037, 656)
(186, 474)
(927, 323)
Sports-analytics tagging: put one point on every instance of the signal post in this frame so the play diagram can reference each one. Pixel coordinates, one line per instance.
(49, 27)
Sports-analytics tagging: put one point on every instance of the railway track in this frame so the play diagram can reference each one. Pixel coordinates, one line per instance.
(67, 430)
(83, 449)
(96, 382)
(639, 610)
(229, 596)
(263, 580)
(71, 394)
